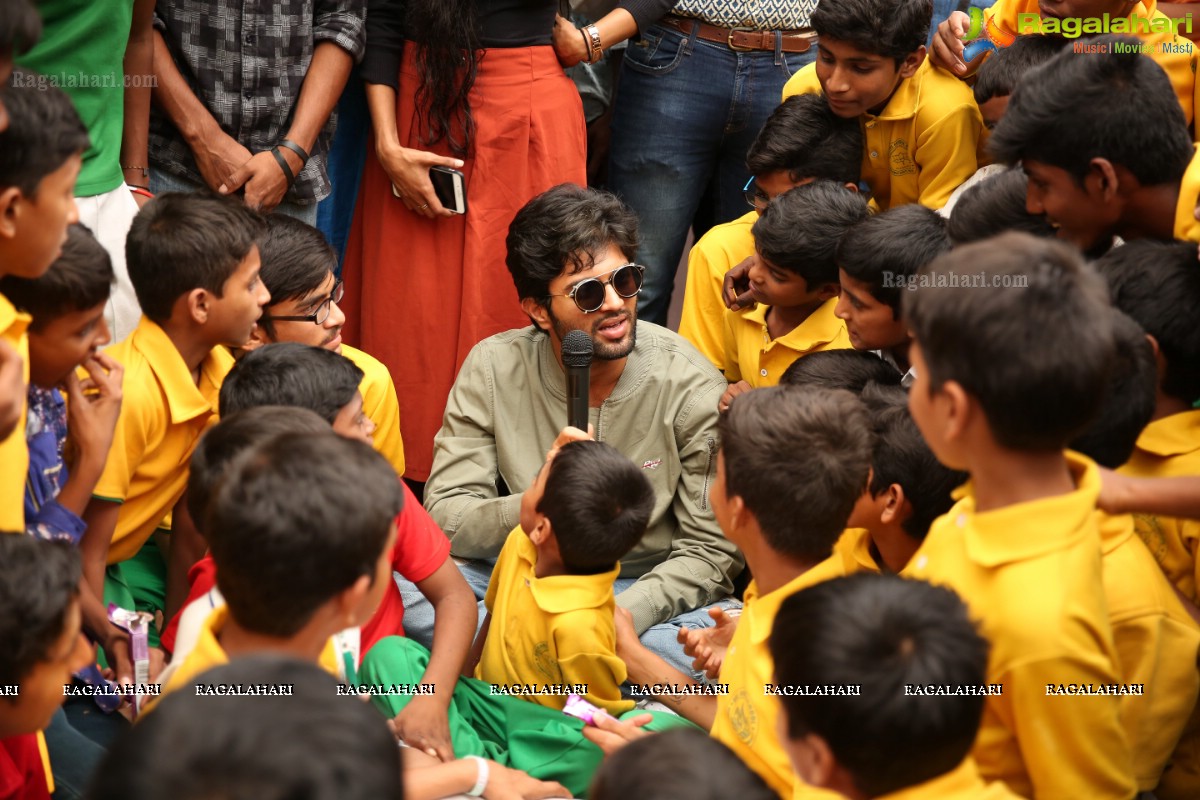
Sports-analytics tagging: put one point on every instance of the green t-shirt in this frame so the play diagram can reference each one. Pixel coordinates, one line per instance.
(82, 51)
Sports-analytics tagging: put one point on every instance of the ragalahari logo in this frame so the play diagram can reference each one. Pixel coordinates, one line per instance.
(983, 35)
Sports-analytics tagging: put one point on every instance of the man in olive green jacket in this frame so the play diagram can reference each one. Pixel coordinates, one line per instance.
(652, 395)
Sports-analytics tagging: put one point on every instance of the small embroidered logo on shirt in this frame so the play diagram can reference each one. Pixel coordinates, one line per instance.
(653, 463)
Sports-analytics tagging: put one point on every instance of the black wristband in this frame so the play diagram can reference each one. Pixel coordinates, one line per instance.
(295, 148)
(283, 165)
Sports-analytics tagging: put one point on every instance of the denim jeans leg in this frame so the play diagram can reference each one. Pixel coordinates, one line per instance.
(418, 611)
(685, 107)
(663, 639)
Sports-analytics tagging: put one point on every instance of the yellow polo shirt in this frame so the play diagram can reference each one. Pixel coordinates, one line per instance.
(551, 631)
(14, 453)
(1030, 574)
(853, 547)
(162, 416)
(961, 783)
(1170, 447)
(1157, 644)
(1178, 60)
(702, 320)
(924, 142)
(380, 405)
(1187, 227)
(208, 653)
(746, 719)
(751, 354)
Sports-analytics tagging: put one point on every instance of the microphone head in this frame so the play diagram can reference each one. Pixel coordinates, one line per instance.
(577, 349)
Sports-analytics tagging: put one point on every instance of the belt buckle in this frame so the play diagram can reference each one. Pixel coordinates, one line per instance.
(734, 47)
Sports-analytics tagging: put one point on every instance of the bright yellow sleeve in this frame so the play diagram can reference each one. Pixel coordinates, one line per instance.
(732, 369)
(947, 154)
(587, 653)
(1071, 746)
(702, 321)
(803, 82)
(380, 405)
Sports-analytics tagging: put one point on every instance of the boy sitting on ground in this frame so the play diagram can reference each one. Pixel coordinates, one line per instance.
(890, 639)
(40, 647)
(792, 463)
(298, 270)
(793, 279)
(550, 601)
(193, 262)
(41, 151)
(802, 141)
(877, 259)
(1005, 378)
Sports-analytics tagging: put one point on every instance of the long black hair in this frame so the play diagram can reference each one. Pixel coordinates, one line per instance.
(448, 61)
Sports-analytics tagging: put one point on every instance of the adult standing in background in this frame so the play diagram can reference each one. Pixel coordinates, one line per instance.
(101, 55)
(245, 97)
(695, 90)
(423, 286)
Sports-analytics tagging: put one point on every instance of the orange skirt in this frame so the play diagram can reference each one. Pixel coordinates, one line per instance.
(421, 293)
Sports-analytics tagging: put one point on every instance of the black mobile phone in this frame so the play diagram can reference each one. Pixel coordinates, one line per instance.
(450, 188)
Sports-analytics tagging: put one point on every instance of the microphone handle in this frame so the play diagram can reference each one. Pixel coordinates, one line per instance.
(577, 397)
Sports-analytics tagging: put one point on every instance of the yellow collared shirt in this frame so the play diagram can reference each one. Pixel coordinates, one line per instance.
(746, 716)
(1187, 227)
(751, 354)
(14, 453)
(1178, 59)
(854, 548)
(162, 416)
(1170, 447)
(1030, 574)
(208, 653)
(702, 321)
(961, 783)
(551, 631)
(922, 145)
(1157, 644)
(380, 405)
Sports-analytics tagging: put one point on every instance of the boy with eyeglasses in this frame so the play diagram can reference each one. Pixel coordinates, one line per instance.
(652, 395)
(298, 270)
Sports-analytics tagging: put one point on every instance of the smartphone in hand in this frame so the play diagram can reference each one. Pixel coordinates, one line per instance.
(450, 188)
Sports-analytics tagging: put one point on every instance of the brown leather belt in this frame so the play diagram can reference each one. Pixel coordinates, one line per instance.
(743, 39)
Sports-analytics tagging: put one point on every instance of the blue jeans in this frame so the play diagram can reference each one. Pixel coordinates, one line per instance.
(347, 155)
(162, 182)
(660, 639)
(685, 114)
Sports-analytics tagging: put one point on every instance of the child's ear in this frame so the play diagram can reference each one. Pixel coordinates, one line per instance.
(813, 760)
(908, 67)
(828, 291)
(958, 410)
(851, 186)
(199, 303)
(10, 199)
(541, 532)
(536, 312)
(1103, 179)
(257, 339)
(896, 508)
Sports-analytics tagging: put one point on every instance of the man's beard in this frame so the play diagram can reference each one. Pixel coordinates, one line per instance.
(602, 349)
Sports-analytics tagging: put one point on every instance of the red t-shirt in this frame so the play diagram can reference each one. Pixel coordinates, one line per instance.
(22, 776)
(421, 547)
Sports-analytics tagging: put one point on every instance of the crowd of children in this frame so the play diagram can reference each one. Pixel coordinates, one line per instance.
(957, 448)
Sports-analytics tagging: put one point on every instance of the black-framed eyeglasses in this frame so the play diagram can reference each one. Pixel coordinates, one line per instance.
(755, 196)
(319, 314)
(588, 294)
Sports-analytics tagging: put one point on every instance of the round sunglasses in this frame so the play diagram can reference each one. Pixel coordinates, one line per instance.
(588, 294)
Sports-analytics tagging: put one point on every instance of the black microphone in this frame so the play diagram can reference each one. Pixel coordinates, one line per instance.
(577, 359)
